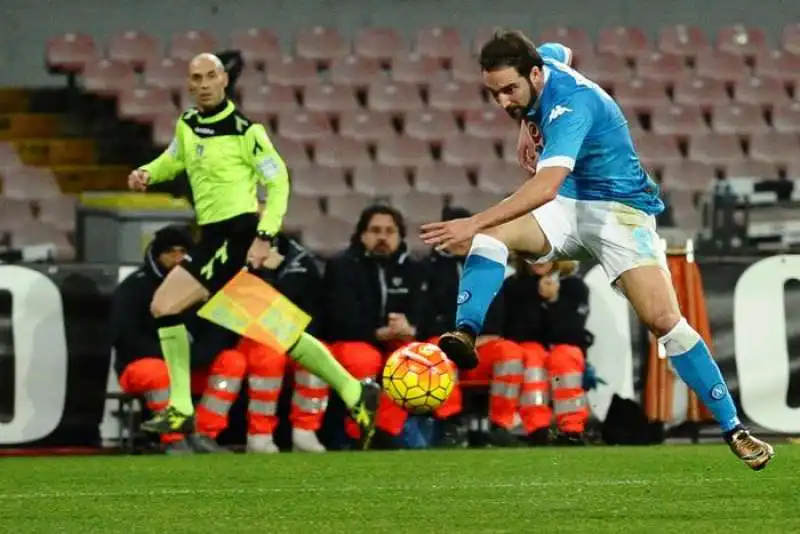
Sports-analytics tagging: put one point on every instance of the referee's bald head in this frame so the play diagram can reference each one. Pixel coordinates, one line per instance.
(207, 81)
(204, 60)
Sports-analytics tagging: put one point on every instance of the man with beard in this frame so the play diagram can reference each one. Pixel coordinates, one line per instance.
(374, 302)
(588, 195)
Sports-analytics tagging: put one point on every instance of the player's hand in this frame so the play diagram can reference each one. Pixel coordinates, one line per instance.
(138, 180)
(398, 322)
(446, 234)
(258, 254)
(384, 333)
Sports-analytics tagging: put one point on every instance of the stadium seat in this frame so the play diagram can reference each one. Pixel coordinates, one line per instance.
(468, 151)
(106, 77)
(268, 101)
(41, 233)
(510, 148)
(657, 150)
(738, 119)
(430, 125)
(366, 126)
(475, 201)
(606, 70)
(756, 170)
(721, 66)
(786, 118)
(415, 246)
(378, 180)
(341, 152)
(500, 177)
(418, 207)
(144, 104)
(355, 71)
(779, 65)
(441, 43)
(381, 44)
(442, 179)
(258, 46)
(348, 208)
(661, 67)
(414, 68)
(8, 156)
(330, 99)
(458, 97)
(490, 123)
(29, 183)
(775, 147)
(684, 212)
(678, 120)
(305, 127)
(741, 40)
(293, 153)
(790, 38)
(641, 96)
(715, 149)
(187, 44)
(764, 92)
(294, 72)
(327, 236)
(466, 69)
(301, 211)
(316, 181)
(481, 37)
(627, 42)
(684, 41)
(164, 129)
(793, 172)
(404, 152)
(58, 211)
(394, 98)
(687, 176)
(700, 92)
(575, 38)
(250, 77)
(321, 44)
(167, 73)
(70, 52)
(14, 214)
(134, 48)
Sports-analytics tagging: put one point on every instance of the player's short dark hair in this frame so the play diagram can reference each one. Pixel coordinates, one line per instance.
(510, 48)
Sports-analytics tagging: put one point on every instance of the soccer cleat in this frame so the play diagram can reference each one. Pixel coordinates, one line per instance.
(169, 420)
(363, 413)
(752, 451)
(459, 345)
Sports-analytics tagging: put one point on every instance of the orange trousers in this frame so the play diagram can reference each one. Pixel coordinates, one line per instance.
(559, 372)
(264, 369)
(501, 365)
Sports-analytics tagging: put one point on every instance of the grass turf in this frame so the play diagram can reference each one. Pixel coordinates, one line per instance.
(692, 488)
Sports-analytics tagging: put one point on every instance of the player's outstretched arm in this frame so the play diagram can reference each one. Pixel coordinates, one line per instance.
(169, 164)
(272, 172)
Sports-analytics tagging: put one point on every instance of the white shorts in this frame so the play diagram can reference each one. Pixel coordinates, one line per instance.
(619, 237)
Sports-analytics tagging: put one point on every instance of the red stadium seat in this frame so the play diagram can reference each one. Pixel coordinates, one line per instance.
(40, 233)
(757, 170)
(134, 47)
(268, 100)
(442, 179)
(622, 41)
(779, 65)
(341, 153)
(457, 97)
(678, 120)
(682, 40)
(106, 77)
(418, 207)
(293, 153)
(380, 44)
(700, 92)
(764, 92)
(318, 181)
(790, 38)
(304, 127)
(715, 149)
(684, 211)
(70, 52)
(722, 66)
(144, 104)
(430, 125)
(738, 119)
(775, 147)
(58, 211)
(355, 71)
(330, 99)
(292, 72)
(793, 172)
(250, 77)
(378, 180)
(366, 126)
(482, 36)
(657, 150)
(606, 70)
(349, 207)
(688, 176)
(575, 38)
(439, 43)
(327, 236)
(321, 44)
(468, 151)
(8, 156)
(394, 98)
(258, 46)
(475, 201)
(29, 183)
(164, 129)
(786, 118)
(167, 73)
(490, 123)
(186, 45)
(301, 212)
(741, 40)
(500, 177)
(641, 96)
(414, 68)
(404, 152)
(466, 69)
(14, 214)
(661, 67)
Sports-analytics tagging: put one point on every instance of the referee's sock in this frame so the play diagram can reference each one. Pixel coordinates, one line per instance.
(177, 353)
(318, 360)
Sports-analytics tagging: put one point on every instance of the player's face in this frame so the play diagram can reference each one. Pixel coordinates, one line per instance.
(382, 236)
(172, 257)
(513, 92)
(207, 83)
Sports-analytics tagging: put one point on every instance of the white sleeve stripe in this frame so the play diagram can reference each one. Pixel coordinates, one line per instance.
(568, 54)
(556, 161)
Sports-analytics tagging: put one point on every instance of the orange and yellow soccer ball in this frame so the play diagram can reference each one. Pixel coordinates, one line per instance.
(419, 377)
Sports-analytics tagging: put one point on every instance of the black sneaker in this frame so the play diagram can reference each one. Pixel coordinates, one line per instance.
(363, 413)
(502, 437)
(570, 439)
(459, 346)
(169, 421)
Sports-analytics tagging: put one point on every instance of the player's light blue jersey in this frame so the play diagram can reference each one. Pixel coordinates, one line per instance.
(584, 130)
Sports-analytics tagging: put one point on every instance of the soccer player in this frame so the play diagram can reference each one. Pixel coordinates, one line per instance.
(590, 196)
(224, 155)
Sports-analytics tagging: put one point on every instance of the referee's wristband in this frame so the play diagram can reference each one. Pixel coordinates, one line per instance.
(264, 236)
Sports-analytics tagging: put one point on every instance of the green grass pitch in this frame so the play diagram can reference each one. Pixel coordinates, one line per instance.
(675, 489)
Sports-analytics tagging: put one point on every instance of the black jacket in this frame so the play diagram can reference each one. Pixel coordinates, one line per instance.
(442, 275)
(528, 317)
(361, 291)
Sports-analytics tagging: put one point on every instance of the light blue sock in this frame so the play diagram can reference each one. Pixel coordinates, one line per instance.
(692, 360)
(481, 280)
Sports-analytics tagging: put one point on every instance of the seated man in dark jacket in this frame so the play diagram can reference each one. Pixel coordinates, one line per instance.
(546, 310)
(374, 299)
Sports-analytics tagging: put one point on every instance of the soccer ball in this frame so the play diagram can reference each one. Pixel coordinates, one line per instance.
(419, 377)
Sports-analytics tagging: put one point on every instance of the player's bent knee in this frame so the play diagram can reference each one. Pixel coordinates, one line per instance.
(663, 323)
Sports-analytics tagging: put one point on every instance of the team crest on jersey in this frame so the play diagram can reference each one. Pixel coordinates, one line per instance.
(536, 136)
